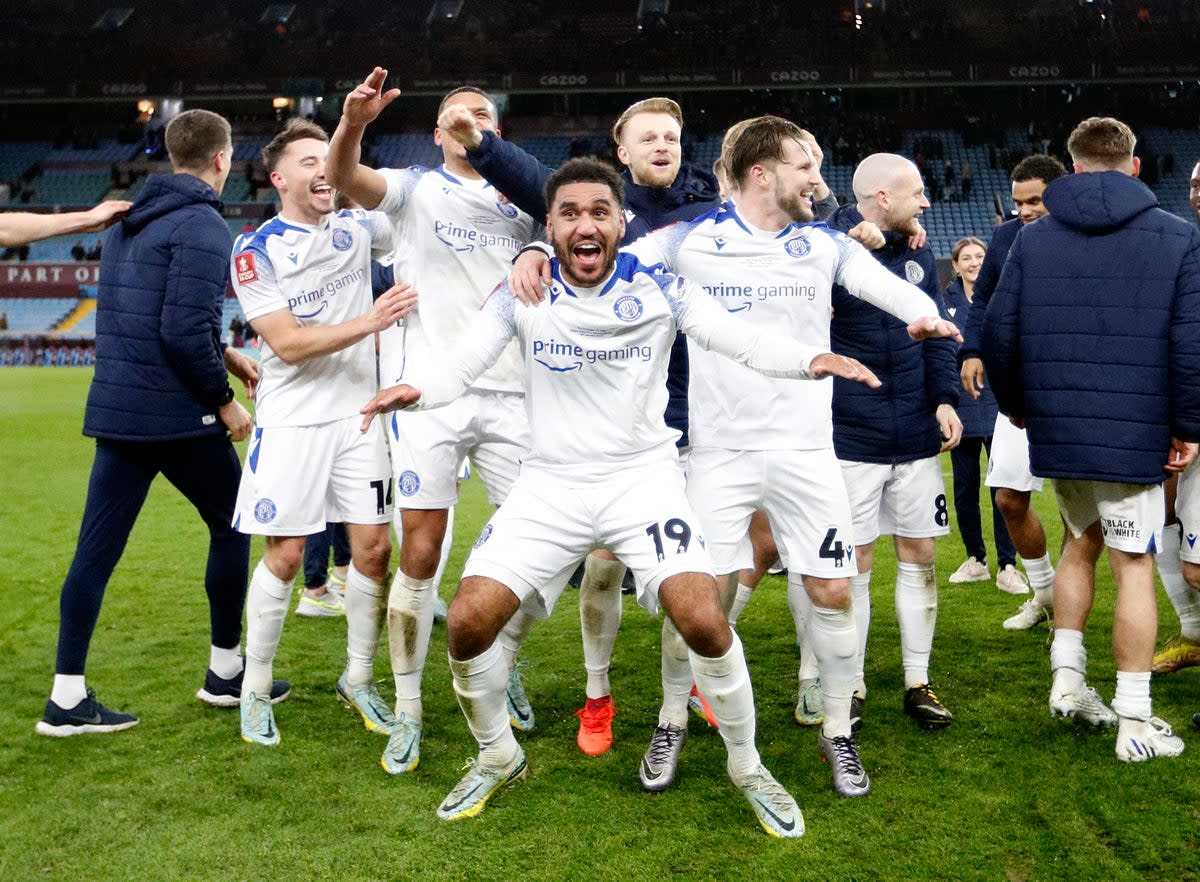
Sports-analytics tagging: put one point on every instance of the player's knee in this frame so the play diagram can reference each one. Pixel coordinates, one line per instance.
(420, 554)
(704, 627)
(829, 593)
(1191, 574)
(1013, 504)
(475, 617)
(916, 551)
(284, 559)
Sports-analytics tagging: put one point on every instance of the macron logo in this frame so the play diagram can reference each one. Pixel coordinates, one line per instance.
(1191, 540)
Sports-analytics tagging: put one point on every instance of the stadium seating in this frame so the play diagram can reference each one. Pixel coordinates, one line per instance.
(36, 314)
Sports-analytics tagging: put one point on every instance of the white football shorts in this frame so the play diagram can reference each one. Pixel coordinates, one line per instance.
(428, 447)
(549, 523)
(1131, 515)
(1008, 463)
(802, 492)
(907, 499)
(297, 478)
(1187, 509)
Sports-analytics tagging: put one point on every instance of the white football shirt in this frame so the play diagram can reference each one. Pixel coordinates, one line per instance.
(596, 364)
(459, 237)
(773, 280)
(322, 274)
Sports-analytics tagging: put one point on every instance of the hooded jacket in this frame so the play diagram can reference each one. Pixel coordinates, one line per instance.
(160, 373)
(1093, 334)
(894, 423)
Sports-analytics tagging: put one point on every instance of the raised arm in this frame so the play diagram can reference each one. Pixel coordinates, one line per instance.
(504, 165)
(343, 168)
(24, 227)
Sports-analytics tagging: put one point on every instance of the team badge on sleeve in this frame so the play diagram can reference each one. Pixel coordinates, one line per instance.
(244, 264)
(628, 308)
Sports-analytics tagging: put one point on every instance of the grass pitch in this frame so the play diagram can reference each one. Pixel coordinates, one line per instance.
(1004, 793)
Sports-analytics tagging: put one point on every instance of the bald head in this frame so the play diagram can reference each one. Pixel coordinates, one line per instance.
(890, 192)
(879, 171)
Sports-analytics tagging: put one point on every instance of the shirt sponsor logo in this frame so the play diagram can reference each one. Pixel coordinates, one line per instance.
(408, 483)
(318, 295)
(628, 308)
(463, 238)
(913, 272)
(591, 356)
(265, 511)
(343, 240)
(762, 293)
(797, 247)
(244, 264)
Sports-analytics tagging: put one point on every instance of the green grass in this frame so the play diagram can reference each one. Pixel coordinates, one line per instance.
(1004, 793)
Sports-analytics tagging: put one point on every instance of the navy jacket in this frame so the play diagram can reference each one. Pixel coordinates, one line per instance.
(522, 178)
(160, 374)
(894, 423)
(1093, 335)
(978, 415)
(989, 276)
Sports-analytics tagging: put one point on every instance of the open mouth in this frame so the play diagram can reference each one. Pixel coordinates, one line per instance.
(323, 191)
(587, 255)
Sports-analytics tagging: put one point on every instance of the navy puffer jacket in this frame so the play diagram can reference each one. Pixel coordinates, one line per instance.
(1093, 334)
(978, 415)
(160, 373)
(894, 423)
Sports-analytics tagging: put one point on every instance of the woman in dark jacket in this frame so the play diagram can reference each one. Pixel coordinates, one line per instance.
(978, 419)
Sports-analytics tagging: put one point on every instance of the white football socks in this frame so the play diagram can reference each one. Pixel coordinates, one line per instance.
(677, 677)
(600, 610)
(410, 605)
(740, 599)
(834, 638)
(1133, 695)
(479, 684)
(916, 611)
(860, 592)
(725, 682)
(1068, 661)
(1041, 579)
(266, 607)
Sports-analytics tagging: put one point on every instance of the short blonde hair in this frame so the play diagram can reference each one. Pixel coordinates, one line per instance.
(647, 105)
(1101, 140)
